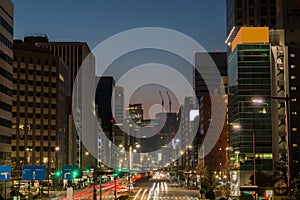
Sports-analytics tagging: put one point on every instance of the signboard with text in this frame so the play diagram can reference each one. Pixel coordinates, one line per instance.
(34, 172)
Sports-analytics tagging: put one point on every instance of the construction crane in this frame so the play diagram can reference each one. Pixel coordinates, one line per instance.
(162, 101)
(170, 102)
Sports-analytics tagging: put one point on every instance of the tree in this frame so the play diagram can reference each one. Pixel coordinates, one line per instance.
(296, 189)
(263, 179)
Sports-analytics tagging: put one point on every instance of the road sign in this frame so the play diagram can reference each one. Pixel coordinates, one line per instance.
(34, 172)
(5, 172)
(66, 172)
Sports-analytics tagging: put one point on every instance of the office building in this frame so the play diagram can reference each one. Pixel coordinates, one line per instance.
(283, 17)
(219, 59)
(39, 109)
(6, 86)
(249, 104)
(74, 54)
(251, 13)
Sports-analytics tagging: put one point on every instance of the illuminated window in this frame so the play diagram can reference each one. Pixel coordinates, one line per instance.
(293, 66)
(294, 129)
(294, 99)
(293, 77)
(293, 55)
(294, 113)
(295, 145)
(293, 88)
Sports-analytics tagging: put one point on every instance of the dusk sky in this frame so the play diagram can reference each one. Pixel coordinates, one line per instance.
(94, 21)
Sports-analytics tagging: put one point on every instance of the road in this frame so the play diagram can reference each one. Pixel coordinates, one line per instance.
(143, 190)
(161, 189)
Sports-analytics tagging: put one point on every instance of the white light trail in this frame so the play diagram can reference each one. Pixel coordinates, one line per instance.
(137, 194)
(143, 194)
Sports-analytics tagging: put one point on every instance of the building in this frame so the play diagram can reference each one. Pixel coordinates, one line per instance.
(39, 108)
(289, 21)
(249, 104)
(6, 59)
(75, 54)
(218, 158)
(284, 16)
(202, 93)
(251, 13)
(6, 86)
(104, 96)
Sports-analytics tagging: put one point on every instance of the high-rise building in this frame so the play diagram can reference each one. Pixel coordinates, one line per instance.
(201, 90)
(119, 105)
(39, 109)
(74, 54)
(282, 15)
(6, 69)
(217, 159)
(289, 22)
(6, 57)
(249, 104)
(251, 13)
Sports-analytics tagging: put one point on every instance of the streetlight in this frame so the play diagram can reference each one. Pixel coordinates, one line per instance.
(130, 162)
(56, 149)
(255, 101)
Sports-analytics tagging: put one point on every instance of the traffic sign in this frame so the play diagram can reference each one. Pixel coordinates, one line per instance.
(34, 172)
(5, 172)
(67, 172)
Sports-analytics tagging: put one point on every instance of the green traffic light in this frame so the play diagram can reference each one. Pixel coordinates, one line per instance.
(119, 170)
(75, 173)
(88, 170)
(57, 173)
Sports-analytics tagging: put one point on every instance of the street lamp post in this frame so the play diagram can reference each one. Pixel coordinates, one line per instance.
(56, 149)
(256, 101)
(130, 163)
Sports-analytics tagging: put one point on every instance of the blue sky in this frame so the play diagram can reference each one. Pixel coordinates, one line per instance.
(93, 21)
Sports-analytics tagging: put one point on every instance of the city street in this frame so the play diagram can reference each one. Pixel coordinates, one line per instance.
(144, 189)
(161, 189)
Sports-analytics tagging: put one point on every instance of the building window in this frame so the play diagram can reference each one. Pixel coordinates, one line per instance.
(263, 10)
(239, 14)
(294, 99)
(239, 3)
(293, 55)
(294, 129)
(295, 145)
(293, 77)
(293, 88)
(293, 66)
(263, 22)
(251, 12)
(294, 113)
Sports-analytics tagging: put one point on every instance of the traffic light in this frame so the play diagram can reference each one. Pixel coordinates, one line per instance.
(118, 172)
(57, 174)
(88, 170)
(76, 173)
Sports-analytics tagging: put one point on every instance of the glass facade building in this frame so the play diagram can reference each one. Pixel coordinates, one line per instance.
(250, 124)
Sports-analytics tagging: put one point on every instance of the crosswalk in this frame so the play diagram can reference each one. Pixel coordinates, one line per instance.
(160, 190)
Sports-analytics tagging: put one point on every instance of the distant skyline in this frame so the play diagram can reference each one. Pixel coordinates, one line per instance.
(94, 21)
